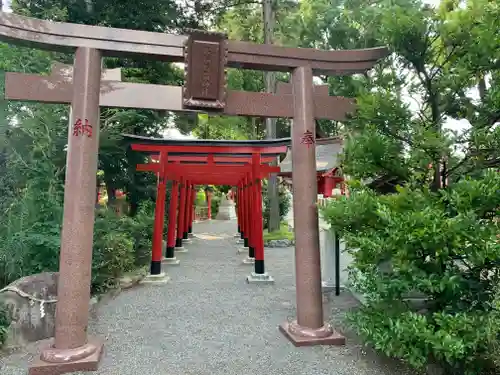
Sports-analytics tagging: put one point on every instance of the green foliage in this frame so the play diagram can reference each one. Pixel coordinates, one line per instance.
(282, 234)
(121, 244)
(4, 324)
(113, 256)
(442, 246)
(219, 127)
(33, 172)
(201, 199)
(141, 229)
(284, 203)
(215, 203)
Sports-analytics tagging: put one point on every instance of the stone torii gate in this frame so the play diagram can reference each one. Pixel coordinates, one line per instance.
(205, 56)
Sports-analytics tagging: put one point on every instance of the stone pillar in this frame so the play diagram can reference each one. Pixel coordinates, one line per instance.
(334, 262)
(309, 328)
(172, 213)
(227, 210)
(328, 264)
(72, 350)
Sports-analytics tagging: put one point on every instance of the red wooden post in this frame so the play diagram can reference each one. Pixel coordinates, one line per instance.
(185, 223)
(237, 199)
(246, 188)
(186, 211)
(258, 221)
(172, 213)
(192, 210)
(251, 218)
(180, 216)
(329, 185)
(159, 219)
(242, 208)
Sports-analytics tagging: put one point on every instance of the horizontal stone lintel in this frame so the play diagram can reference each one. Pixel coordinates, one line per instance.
(57, 89)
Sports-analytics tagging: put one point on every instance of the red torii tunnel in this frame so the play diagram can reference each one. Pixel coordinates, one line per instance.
(187, 163)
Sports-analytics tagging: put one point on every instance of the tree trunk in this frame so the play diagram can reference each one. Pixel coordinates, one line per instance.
(270, 83)
(481, 86)
(111, 191)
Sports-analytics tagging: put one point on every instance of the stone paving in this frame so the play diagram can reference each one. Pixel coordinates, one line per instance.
(208, 321)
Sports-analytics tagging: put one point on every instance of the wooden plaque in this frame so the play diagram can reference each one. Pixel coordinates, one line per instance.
(205, 61)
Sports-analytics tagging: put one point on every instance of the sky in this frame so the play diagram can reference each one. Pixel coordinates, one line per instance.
(453, 124)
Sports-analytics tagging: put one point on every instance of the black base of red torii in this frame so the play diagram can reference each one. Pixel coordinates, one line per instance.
(241, 164)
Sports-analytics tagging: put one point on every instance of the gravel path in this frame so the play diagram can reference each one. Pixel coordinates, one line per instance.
(209, 321)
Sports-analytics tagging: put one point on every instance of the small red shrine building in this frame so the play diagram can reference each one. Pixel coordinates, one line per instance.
(328, 172)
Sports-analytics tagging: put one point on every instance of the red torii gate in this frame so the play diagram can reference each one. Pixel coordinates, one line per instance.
(190, 163)
(222, 179)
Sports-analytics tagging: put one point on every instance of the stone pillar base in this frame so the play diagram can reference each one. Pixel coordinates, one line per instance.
(171, 261)
(181, 250)
(89, 363)
(328, 287)
(302, 336)
(190, 235)
(242, 250)
(160, 279)
(186, 240)
(260, 278)
(249, 260)
(237, 235)
(240, 241)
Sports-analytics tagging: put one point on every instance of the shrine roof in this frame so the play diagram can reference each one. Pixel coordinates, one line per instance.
(328, 152)
(209, 146)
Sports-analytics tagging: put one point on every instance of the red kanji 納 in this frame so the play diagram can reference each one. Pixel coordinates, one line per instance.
(81, 128)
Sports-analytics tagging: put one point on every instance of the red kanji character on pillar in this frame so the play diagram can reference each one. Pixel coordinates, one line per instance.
(307, 139)
(79, 128)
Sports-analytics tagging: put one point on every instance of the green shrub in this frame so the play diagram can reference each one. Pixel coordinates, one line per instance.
(442, 246)
(30, 236)
(201, 199)
(284, 204)
(113, 256)
(121, 244)
(30, 251)
(282, 234)
(215, 203)
(141, 229)
(29, 244)
(4, 324)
